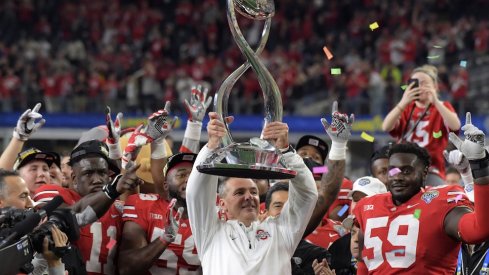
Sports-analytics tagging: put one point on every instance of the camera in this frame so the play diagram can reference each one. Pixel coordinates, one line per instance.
(416, 82)
(19, 253)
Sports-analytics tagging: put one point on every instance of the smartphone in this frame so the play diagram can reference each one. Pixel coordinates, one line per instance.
(416, 82)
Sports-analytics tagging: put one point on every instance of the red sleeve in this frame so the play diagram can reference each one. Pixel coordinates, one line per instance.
(474, 227)
(47, 192)
(401, 124)
(137, 207)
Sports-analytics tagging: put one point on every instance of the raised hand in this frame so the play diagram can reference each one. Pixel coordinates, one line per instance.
(473, 145)
(457, 160)
(172, 222)
(278, 133)
(199, 102)
(340, 128)
(159, 124)
(114, 127)
(28, 123)
(129, 181)
(216, 129)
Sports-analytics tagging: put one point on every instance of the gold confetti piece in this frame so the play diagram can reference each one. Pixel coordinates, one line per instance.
(374, 26)
(328, 54)
(367, 137)
(437, 134)
(433, 57)
(335, 71)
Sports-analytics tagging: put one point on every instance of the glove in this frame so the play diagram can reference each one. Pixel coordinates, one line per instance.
(199, 102)
(461, 163)
(172, 222)
(158, 127)
(27, 125)
(114, 129)
(339, 131)
(473, 145)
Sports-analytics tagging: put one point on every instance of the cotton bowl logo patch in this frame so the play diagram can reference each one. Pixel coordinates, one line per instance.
(262, 234)
(430, 195)
(469, 188)
(363, 182)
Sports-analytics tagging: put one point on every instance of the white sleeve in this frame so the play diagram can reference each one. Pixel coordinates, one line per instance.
(201, 203)
(303, 195)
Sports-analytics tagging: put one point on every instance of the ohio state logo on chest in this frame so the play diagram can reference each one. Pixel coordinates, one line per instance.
(262, 234)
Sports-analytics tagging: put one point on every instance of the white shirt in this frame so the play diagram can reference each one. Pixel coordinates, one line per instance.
(265, 248)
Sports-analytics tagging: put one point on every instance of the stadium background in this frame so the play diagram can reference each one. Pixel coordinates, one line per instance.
(78, 56)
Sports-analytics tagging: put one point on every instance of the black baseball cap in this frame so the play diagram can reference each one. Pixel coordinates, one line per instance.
(93, 148)
(35, 154)
(177, 159)
(316, 142)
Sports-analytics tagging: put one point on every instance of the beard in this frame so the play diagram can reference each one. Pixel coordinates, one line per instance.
(176, 194)
(415, 187)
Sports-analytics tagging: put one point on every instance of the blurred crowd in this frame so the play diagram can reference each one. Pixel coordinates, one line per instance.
(78, 56)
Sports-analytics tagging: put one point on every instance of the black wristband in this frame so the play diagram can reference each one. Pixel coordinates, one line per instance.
(290, 149)
(480, 167)
(110, 189)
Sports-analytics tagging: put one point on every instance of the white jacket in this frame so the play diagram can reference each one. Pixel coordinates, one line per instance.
(224, 247)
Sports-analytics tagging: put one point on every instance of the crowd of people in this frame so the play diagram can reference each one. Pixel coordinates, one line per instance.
(142, 209)
(78, 56)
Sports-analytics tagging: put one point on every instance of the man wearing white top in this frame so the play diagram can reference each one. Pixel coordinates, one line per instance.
(243, 244)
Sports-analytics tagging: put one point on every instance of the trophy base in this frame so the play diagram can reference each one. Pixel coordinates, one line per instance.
(256, 159)
(246, 171)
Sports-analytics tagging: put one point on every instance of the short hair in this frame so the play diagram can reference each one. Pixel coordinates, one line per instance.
(221, 186)
(452, 170)
(382, 153)
(276, 187)
(411, 148)
(3, 174)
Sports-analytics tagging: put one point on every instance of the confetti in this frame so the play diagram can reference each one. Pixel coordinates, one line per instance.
(437, 46)
(394, 171)
(463, 63)
(328, 54)
(437, 134)
(335, 71)
(343, 210)
(374, 26)
(367, 137)
(320, 170)
(433, 56)
(403, 87)
(417, 213)
(111, 244)
(458, 198)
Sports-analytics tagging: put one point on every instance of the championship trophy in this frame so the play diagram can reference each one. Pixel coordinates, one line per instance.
(257, 158)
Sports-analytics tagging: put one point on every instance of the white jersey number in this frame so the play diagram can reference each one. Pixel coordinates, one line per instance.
(421, 136)
(396, 259)
(94, 265)
(172, 259)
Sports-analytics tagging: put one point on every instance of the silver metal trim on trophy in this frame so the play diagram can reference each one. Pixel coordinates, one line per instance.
(257, 158)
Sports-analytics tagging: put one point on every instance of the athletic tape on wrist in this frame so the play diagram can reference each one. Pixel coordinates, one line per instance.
(338, 151)
(158, 149)
(114, 151)
(193, 130)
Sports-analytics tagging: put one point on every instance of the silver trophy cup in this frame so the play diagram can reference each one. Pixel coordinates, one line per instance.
(257, 158)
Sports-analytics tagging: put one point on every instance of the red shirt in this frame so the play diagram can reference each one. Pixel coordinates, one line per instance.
(430, 133)
(326, 234)
(410, 238)
(149, 212)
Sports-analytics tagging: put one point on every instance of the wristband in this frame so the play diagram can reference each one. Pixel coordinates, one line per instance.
(338, 151)
(480, 167)
(467, 178)
(114, 151)
(110, 190)
(193, 130)
(287, 150)
(158, 149)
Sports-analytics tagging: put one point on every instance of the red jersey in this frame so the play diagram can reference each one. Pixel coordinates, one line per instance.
(149, 212)
(47, 192)
(98, 241)
(326, 234)
(410, 238)
(430, 133)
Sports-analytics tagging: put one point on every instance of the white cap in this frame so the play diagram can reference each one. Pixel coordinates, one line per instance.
(369, 186)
